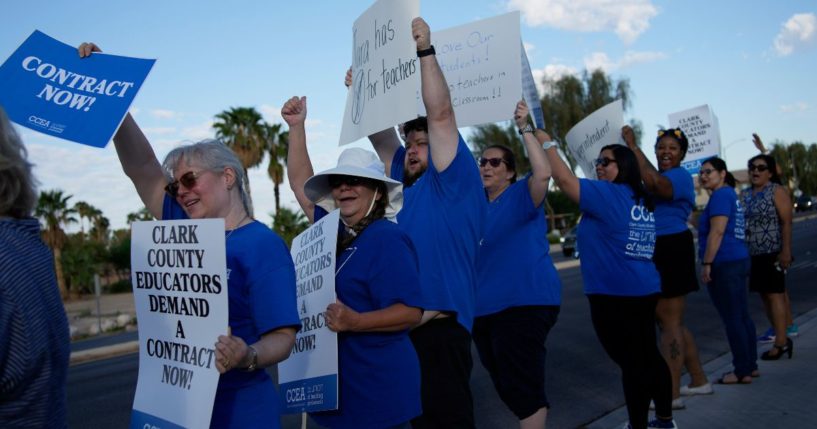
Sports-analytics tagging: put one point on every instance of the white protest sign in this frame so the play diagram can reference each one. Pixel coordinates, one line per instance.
(482, 65)
(179, 275)
(701, 128)
(599, 129)
(308, 379)
(385, 70)
(530, 93)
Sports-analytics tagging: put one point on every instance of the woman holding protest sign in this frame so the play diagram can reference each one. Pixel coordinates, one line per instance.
(376, 281)
(617, 238)
(206, 180)
(674, 256)
(516, 307)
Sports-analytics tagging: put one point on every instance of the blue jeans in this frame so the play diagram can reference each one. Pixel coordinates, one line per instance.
(729, 295)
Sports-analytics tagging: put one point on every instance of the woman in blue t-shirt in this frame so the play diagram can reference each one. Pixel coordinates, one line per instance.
(617, 238)
(725, 261)
(509, 297)
(674, 192)
(376, 281)
(203, 181)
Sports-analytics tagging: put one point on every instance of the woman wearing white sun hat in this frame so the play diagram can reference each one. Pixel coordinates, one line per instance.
(376, 281)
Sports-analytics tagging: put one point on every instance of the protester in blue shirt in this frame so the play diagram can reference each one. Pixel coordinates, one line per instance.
(725, 260)
(206, 180)
(444, 214)
(674, 192)
(518, 289)
(34, 339)
(376, 281)
(617, 238)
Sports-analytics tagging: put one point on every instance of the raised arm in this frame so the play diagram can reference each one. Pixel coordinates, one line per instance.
(758, 143)
(442, 125)
(540, 167)
(654, 181)
(299, 166)
(138, 160)
(562, 174)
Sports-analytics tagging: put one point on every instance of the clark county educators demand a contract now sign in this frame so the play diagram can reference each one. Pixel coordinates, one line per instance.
(46, 86)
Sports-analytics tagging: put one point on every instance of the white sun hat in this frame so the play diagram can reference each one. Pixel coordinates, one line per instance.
(360, 163)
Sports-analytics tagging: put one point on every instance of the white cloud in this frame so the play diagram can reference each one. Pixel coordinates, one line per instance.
(799, 106)
(600, 60)
(627, 18)
(529, 48)
(163, 114)
(159, 130)
(799, 32)
(198, 132)
(550, 72)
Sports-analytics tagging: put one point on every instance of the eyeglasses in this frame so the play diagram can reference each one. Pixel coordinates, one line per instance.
(493, 161)
(759, 167)
(706, 171)
(188, 180)
(335, 180)
(604, 162)
(675, 131)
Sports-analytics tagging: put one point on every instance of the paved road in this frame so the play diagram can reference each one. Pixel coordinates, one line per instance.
(583, 383)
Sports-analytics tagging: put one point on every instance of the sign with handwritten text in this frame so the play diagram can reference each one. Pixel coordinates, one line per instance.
(599, 129)
(47, 87)
(701, 128)
(385, 70)
(530, 93)
(179, 276)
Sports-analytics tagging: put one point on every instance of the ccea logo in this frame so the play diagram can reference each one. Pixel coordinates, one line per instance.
(39, 121)
(295, 395)
(640, 213)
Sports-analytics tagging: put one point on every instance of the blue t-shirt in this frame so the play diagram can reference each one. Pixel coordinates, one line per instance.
(617, 238)
(261, 294)
(724, 202)
(671, 215)
(514, 266)
(444, 214)
(379, 372)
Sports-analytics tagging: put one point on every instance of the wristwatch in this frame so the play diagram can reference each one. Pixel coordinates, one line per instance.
(526, 129)
(253, 360)
(550, 144)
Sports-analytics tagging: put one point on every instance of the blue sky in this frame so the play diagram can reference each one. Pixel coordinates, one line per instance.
(749, 60)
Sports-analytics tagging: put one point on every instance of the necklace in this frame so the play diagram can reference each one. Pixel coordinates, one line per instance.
(236, 227)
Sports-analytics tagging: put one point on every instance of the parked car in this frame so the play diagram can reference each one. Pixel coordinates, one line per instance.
(804, 203)
(568, 242)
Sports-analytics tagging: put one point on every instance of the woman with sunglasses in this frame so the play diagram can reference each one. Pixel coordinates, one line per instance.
(617, 238)
(207, 181)
(376, 281)
(768, 235)
(516, 308)
(674, 192)
(725, 266)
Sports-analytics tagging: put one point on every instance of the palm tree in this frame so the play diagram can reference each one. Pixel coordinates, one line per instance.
(85, 211)
(278, 142)
(100, 230)
(142, 214)
(288, 223)
(242, 129)
(52, 209)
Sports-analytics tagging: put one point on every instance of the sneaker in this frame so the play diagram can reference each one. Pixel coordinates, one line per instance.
(677, 404)
(792, 330)
(767, 337)
(662, 424)
(704, 389)
(627, 426)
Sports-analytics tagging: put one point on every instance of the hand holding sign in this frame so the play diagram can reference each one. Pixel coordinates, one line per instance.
(86, 48)
(520, 116)
(340, 318)
(231, 352)
(421, 33)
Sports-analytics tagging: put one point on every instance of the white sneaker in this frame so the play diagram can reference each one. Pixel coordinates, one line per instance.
(704, 389)
(677, 404)
(661, 424)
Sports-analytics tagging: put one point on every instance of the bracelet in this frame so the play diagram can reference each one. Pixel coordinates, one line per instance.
(253, 360)
(426, 52)
(526, 129)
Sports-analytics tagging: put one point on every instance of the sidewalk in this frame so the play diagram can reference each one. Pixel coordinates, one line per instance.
(116, 311)
(783, 396)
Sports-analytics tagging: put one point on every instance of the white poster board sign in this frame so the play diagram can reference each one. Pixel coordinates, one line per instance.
(599, 129)
(385, 70)
(179, 275)
(530, 93)
(482, 65)
(701, 128)
(308, 379)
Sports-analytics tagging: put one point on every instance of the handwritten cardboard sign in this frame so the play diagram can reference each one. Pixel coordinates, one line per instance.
(599, 129)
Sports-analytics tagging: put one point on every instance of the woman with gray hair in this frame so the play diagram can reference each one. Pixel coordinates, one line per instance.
(34, 339)
(206, 180)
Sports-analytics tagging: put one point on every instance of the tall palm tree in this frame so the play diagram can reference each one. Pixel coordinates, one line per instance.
(84, 211)
(278, 142)
(100, 230)
(142, 214)
(242, 129)
(53, 211)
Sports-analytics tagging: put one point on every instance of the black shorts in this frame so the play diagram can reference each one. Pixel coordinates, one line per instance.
(511, 346)
(764, 277)
(674, 258)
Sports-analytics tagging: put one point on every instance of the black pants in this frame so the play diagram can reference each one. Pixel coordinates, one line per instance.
(625, 326)
(444, 349)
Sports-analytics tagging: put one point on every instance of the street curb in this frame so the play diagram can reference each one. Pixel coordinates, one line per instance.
(103, 352)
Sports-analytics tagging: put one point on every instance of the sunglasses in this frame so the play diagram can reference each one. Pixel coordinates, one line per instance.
(493, 161)
(759, 167)
(604, 162)
(188, 180)
(706, 171)
(336, 180)
(675, 131)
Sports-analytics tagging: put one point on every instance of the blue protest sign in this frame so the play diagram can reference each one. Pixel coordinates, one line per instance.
(47, 87)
